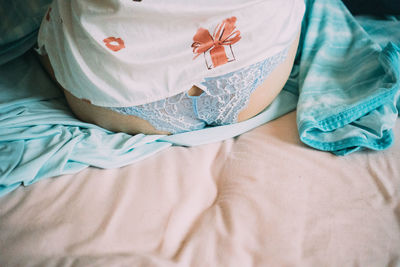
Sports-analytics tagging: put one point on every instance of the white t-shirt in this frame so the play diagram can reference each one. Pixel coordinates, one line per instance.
(119, 53)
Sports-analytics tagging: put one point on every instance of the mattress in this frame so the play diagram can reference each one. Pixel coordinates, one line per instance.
(261, 199)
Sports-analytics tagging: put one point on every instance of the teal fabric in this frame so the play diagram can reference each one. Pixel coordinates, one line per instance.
(348, 83)
(381, 30)
(19, 23)
(344, 83)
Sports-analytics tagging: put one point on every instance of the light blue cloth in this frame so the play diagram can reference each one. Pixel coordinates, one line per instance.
(40, 138)
(348, 92)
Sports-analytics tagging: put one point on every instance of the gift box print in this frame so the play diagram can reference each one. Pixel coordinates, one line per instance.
(217, 48)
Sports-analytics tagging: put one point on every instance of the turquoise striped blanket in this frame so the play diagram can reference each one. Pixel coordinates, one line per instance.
(345, 85)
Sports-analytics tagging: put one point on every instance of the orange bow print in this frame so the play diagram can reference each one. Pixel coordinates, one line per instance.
(224, 34)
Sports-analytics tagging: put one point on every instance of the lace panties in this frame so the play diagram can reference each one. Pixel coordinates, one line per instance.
(220, 103)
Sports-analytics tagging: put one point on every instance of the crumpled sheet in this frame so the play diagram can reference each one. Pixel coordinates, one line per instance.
(346, 86)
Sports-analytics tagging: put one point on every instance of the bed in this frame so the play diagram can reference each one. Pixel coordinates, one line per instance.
(257, 194)
(239, 202)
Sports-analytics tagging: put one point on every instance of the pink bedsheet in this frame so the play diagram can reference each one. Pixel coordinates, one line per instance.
(262, 199)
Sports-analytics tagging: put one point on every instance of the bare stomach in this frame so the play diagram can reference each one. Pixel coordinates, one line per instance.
(111, 120)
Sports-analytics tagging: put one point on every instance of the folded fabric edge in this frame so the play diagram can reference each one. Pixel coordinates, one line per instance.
(391, 56)
(352, 144)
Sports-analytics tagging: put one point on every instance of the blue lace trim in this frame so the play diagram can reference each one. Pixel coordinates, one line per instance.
(220, 103)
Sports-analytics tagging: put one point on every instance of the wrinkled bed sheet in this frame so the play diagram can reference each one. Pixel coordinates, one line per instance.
(262, 199)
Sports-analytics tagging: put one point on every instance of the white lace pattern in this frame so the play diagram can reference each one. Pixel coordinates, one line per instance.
(220, 103)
